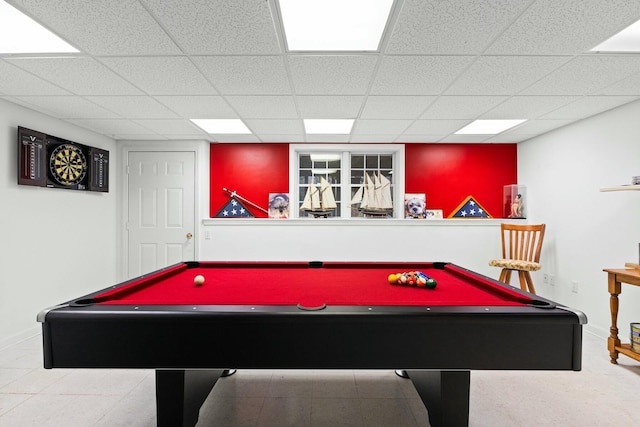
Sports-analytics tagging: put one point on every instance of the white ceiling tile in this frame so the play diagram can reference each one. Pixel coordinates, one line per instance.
(464, 138)
(565, 27)
(332, 74)
(527, 107)
(328, 138)
(532, 127)
(134, 107)
(595, 73)
(509, 138)
(112, 127)
(588, 106)
(461, 107)
(380, 127)
(67, 107)
(293, 138)
(115, 27)
(420, 138)
(417, 75)
(15, 81)
(171, 127)
(138, 137)
(435, 127)
(376, 138)
(329, 107)
(627, 86)
(198, 107)
(170, 75)
(462, 27)
(395, 107)
(504, 75)
(275, 126)
(214, 27)
(177, 137)
(79, 75)
(245, 75)
(234, 138)
(264, 107)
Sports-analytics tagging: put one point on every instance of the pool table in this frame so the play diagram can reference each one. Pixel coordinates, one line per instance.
(311, 315)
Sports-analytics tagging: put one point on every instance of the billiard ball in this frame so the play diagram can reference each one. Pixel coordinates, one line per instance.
(392, 279)
(198, 280)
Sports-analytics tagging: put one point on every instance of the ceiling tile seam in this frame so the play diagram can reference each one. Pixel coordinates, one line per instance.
(162, 27)
(580, 96)
(282, 44)
(188, 56)
(38, 78)
(482, 54)
(382, 48)
(507, 27)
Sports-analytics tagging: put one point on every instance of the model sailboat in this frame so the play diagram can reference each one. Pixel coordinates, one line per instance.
(374, 196)
(319, 199)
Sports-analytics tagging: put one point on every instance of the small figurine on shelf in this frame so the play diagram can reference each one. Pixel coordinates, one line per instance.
(516, 207)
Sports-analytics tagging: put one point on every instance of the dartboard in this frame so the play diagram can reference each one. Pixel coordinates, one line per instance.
(67, 164)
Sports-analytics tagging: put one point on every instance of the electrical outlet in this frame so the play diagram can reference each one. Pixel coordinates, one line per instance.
(545, 278)
(552, 280)
(574, 287)
(207, 235)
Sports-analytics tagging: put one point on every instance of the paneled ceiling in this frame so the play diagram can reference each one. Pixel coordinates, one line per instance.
(146, 67)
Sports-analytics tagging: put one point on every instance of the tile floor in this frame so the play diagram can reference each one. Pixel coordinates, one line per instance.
(601, 395)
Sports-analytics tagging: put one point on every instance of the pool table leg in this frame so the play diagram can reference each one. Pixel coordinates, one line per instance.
(180, 393)
(445, 395)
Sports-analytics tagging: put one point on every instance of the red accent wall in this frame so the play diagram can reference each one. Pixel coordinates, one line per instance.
(446, 173)
(253, 170)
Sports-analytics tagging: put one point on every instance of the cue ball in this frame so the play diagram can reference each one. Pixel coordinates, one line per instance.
(198, 280)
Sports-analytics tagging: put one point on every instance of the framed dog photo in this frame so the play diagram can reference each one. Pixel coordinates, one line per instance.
(415, 205)
(278, 205)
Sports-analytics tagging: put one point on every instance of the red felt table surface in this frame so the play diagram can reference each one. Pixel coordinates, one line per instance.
(338, 284)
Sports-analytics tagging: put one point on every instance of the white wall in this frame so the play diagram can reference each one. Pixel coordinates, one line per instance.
(587, 230)
(55, 244)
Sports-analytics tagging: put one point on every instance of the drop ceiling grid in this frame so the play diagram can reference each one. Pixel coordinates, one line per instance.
(446, 62)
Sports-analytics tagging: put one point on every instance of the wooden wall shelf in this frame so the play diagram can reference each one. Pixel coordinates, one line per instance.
(623, 188)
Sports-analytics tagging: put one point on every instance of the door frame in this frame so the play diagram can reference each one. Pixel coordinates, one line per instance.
(200, 149)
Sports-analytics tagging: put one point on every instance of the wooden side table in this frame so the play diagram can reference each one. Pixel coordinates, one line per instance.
(617, 277)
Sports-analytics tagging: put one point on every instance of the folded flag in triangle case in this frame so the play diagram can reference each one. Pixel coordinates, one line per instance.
(470, 208)
(234, 209)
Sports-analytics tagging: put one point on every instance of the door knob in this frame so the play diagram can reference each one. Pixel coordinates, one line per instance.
(189, 236)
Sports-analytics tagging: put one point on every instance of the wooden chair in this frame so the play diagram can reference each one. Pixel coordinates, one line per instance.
(521, 246)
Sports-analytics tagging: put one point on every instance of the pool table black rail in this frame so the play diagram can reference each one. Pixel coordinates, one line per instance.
(287, 338)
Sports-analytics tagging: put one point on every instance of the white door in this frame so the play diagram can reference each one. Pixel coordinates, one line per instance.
(161, 210)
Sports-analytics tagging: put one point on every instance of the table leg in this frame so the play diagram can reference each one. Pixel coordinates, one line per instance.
(180, 393)
(445, 395)
(615, 288)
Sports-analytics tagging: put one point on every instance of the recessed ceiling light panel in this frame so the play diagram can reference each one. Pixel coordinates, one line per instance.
(627, 40)
(488, 127)
(222, 126)
(21, 34)
(328, 126)
(334, 25)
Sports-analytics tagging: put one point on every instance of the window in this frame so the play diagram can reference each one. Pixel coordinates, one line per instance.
(346, 181)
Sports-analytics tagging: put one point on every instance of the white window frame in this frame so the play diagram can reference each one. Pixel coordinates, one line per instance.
(397, 150)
